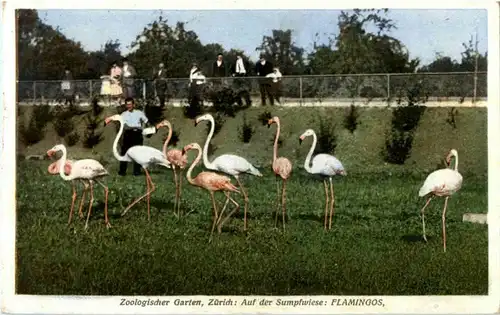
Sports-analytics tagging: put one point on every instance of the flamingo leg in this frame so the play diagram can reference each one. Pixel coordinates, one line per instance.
(90, 204)
(245, 195)
(326, 202)
(106, 192)
(423, 217)
(332, 205)
(151, 188)
(223, 209)
(176, 190)
(215, 215)
(180, 191)
(82, 201)
(444, 223)
(277, 202)
(73, 199)
(237, 206)
(283, 203)
(148, 192)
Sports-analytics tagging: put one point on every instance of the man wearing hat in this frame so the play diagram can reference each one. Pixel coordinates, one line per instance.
(160, 80)
(263, 68)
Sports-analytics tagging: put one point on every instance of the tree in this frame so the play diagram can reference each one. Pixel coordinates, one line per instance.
(100, 61)
(280, 48)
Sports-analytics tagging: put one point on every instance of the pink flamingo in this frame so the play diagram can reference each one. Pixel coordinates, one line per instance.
(443, 182)
(86, 170)
(177, 161)
(53, 169)
(141, 154)
(212, 182)
(282, 167)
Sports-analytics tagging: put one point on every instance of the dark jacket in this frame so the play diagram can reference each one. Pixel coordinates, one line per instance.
(263, 70)
(160, 78)
(219, 71)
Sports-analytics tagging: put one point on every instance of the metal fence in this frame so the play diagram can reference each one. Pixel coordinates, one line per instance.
(438, 86)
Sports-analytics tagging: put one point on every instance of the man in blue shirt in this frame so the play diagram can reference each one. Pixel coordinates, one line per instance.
(133, 120)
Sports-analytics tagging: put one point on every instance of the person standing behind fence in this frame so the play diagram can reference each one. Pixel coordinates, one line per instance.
(68, 87)
(116, 76)
(128, 75)
(160, 81)
(263, 68)
(218, 70)
(275, 84)
(196, 84)
(241, 85)
(133, 120)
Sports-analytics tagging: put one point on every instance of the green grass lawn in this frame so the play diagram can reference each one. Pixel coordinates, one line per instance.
(374, 247)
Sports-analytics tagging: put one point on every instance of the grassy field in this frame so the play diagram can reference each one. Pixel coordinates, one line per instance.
(374, 247)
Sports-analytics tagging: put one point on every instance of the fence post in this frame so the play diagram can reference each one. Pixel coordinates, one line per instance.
(34, 92)
(90, 90)
(388, 87)
(300, 89)
(144, 90)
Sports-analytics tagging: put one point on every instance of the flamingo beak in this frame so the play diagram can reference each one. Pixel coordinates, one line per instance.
(106, 122)
(196, 122)
(50, 153)
(300, 140)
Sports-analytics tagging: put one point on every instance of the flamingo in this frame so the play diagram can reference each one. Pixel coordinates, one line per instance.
(444, 182)
(86, 170)
(53, 169)
(212, 182)
(142, 155)
(282, 167)
(325, 165)
(230, 164)
(177, 160)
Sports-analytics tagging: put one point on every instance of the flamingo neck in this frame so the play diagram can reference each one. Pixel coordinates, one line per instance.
(61, 168)
(206, 162)
(169, 136)
(115, 143)
(275, 148)
(456, 162)
(190, 170)
(307, 163)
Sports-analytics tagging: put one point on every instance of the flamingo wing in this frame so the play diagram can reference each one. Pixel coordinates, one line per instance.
(233, 165)
(145, 156)
(326, 164)
(441, 182)
(88, 169)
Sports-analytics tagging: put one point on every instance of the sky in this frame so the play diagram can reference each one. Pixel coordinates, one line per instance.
(424, 32)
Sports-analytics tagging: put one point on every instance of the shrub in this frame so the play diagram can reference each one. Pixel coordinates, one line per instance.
(405, 120)
(154, 114)
(264, 117)
(91, 136)
(351, 119)
(327, 139)
(34, 130)
(451, 120)
(195, 106)
(63, 123)
(72, 138)
(219, 122)
(224, 101)
(246, 131)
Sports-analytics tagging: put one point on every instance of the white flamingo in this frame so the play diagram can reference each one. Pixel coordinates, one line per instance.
(230, 164)
(140, 154)
(326, 166)
(86, 170)
(441, 183)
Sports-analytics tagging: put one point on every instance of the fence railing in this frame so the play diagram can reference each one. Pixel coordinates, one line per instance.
(462, 85)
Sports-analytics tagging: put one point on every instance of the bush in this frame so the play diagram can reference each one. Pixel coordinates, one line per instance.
(63, 123)
(327, 139)
(34, 131)
(72, 138)
(451, 120)
(405, 120)
(219, 122)
(224, 101)
(154, 114)
(91, 136)
(264, 117)
(246, 131)
(195, 105)
(351, 119)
